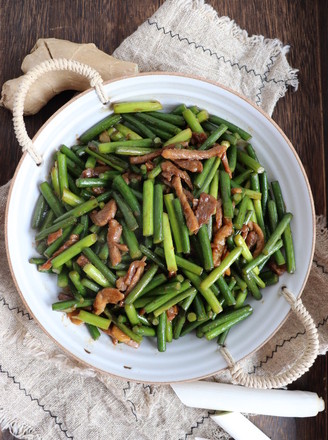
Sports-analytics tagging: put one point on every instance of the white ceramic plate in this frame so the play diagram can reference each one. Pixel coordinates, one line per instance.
(188, 358)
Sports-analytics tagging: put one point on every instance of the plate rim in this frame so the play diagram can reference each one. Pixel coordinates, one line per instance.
(176, 74)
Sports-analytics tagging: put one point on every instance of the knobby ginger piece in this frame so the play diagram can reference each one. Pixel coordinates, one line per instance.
(53, 83)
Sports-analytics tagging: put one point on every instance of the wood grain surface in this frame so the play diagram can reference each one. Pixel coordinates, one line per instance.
(302, 115)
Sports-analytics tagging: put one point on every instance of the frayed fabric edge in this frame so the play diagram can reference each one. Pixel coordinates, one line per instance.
(13, 337)
(291, 81)
(322, 226)
(321, 251)
(58, 359)
(20, 430)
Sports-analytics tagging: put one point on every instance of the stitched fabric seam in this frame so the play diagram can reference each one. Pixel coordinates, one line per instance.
(126, 388)
(23, 313)
(133, 407)
(275, 350)
(266, 73)
(219, 57)
(321, 323)
(321, 266)
(198, 424)
(33, 399)
(147, 387)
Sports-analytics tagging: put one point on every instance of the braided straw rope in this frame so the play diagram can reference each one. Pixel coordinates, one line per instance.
(33, 75)
(303, 364)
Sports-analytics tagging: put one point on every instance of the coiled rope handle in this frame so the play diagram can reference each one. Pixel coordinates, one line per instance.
(241, 377)
(33, 75)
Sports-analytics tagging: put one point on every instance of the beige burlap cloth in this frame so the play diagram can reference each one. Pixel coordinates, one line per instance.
(45, 395)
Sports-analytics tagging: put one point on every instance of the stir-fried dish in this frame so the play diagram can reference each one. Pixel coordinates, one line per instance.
(158, 223)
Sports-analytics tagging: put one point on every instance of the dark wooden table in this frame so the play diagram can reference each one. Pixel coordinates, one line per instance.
(303, 115)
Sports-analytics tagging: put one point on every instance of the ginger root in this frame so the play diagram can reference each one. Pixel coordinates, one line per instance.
(53, 83)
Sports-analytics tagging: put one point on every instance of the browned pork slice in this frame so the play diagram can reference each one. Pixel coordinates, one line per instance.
(169, 170)
(194, 166)
(205, 208)
(191, 220)
(108, 295)
(217, 150)
(133, 275)
(114, 247)
(102, 217)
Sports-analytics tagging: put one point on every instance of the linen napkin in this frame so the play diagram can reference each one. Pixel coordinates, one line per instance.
(45, 394)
